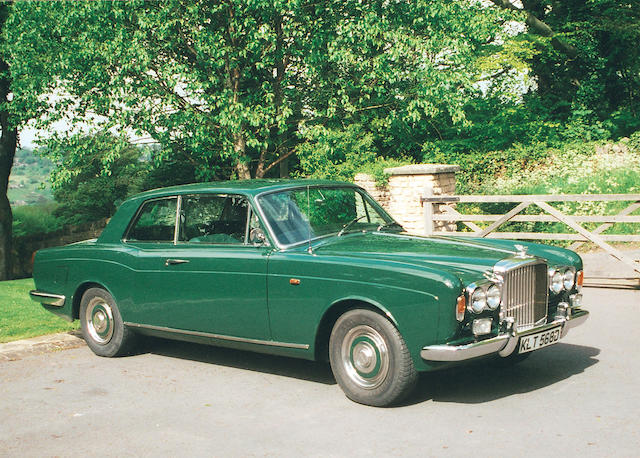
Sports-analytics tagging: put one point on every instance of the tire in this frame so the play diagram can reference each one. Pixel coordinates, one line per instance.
(102, 325)
(370, 359)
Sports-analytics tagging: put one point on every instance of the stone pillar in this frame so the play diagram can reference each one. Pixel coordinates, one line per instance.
(407, 184)
(379, 193)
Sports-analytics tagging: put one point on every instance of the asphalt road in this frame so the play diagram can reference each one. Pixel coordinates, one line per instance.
(580, 397)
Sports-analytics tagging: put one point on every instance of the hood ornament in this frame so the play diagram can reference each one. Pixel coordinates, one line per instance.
(522, 251)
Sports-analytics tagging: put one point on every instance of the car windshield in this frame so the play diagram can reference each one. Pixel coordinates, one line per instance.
(303, 214)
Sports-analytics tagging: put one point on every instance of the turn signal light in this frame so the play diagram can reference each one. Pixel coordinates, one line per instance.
(580, 278)
(461, 305)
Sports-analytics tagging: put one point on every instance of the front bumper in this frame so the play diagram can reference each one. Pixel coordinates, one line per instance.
(504, 343)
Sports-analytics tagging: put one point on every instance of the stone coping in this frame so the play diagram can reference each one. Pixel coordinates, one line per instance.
(422, 169)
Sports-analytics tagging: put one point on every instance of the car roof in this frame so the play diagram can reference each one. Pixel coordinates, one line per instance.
(246, 187)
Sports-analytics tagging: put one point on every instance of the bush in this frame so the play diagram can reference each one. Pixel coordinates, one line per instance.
(35, 219)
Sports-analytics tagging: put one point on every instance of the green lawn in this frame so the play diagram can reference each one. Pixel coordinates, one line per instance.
(21, 318)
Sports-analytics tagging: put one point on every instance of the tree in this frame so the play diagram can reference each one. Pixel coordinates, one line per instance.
(587, 67)
(240, 88)
(93, 174)
(8, 143)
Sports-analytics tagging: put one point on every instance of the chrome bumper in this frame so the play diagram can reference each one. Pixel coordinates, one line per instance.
(47, 298)
(506, 342)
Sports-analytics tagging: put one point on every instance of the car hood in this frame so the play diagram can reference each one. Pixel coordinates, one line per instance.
(468, 259)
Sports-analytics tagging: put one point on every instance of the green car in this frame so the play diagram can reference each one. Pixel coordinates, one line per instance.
(309, 269)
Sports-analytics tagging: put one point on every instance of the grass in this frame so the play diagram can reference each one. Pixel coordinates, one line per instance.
(21, 318)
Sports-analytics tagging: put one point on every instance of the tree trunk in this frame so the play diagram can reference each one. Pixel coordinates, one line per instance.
(8, 143)
(239, 148)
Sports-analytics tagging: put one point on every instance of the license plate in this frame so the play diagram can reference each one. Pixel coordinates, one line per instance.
(539, 340)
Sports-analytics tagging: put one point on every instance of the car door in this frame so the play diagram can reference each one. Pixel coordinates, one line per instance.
(208, 278)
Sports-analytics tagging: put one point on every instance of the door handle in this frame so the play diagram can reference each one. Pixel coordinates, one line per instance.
(171, 262)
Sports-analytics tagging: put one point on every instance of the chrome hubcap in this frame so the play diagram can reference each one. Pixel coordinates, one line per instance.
(99, 320)
(365, 357)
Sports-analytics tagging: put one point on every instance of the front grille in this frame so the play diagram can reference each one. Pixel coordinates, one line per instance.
(525, 294)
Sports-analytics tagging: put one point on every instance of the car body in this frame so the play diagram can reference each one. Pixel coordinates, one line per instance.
(311, 269)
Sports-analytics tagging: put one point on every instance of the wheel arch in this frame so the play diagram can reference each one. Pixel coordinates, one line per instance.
(80, 290)
(337, 309)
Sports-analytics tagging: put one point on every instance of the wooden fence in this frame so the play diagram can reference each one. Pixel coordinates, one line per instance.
(439, 209)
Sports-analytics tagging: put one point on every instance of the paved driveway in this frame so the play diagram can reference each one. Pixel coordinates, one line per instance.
(579, 397)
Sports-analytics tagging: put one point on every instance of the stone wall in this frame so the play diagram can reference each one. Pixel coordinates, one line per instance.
(401, 197)
(24, 247)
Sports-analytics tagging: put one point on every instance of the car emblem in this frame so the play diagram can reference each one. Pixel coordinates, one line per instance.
(522, 251)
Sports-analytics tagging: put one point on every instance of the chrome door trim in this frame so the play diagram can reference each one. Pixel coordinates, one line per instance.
(271, 343)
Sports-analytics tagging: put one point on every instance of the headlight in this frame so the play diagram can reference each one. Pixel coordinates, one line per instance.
(555, 280)
(568, 278)
(493, 297)
(478, 300)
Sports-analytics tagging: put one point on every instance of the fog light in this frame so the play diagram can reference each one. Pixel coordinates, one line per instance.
(576, 300)
(481, 326)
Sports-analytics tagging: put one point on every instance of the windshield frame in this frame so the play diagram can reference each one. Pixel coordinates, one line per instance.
(357, 189)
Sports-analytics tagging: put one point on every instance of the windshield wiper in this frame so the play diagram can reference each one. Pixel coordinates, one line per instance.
(390, 223)
(349, 224)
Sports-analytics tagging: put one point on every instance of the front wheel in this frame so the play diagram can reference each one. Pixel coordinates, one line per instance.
(370, 359)
(102, 326)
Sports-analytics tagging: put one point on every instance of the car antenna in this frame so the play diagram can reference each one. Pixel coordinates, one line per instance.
(309, 221)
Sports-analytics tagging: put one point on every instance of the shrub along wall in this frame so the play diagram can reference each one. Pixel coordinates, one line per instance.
(25, 246)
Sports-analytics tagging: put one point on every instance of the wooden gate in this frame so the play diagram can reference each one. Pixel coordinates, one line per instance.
(439, 209)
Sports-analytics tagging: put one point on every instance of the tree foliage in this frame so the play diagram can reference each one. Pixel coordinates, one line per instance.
(93, 175)
(587, 64)
(243, 88)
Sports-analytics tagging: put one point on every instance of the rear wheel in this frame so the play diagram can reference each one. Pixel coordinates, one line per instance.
(370, 359)
(102, 325)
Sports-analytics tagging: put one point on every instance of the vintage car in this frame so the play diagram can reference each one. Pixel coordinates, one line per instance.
(310, 269)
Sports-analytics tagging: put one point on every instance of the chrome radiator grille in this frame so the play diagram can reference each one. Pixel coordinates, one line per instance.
(524, 295)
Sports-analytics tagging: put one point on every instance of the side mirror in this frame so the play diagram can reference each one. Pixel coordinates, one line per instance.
(257, 237)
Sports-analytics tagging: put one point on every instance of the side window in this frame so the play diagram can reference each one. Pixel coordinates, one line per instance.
(156, 221)
(210, 218)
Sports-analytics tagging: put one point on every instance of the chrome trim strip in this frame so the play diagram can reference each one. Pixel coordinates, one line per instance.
(176, 228)
(504, 344)
(57, 300)
(219, 336)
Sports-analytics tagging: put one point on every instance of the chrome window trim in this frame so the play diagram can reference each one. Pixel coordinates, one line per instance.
(270, 343)
(281, 246)
(218, 194)
(137, 214)
(176, 228)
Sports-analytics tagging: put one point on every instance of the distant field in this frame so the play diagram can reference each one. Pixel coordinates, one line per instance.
(21, 318)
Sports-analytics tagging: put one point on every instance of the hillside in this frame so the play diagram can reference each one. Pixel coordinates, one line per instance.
(29, 180)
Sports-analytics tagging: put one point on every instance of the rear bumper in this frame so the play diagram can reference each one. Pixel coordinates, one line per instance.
(55, 300)
(506, 342)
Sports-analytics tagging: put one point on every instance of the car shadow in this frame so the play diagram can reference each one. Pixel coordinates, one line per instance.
(472, 383)
(278, 365)
(482, 382)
